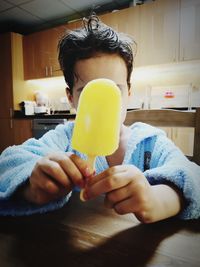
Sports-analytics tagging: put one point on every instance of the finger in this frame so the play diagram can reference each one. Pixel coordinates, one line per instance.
(109, 172)
(47, 184)
(82, 165)
(138, 204)
(137, 190)
(36, 195)
(54, 170)
(118, 195)
(107, 184)
(73, 166)
(41, 197)
(126, 206)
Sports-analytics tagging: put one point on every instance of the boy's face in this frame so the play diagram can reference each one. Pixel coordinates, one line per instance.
(101, 66)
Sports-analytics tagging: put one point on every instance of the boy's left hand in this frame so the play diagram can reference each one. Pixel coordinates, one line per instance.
(126, 190)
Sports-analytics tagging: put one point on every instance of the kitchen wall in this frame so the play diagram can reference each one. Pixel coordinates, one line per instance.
(54, 88)
(142, 79)
(183, 73)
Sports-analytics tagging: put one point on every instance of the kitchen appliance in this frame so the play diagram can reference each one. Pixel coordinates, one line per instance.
(40, 109)
(41, 126)
(42, 102)
(27, 107)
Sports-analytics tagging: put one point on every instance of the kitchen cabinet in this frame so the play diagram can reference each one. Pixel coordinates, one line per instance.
(40, 52)
(169, 31)
(14, 132)
(159, 32)
(6, 90)
(126, 21)
(155, 28)
(12, 89)
(165, 31)
(129, 23)
(6, 78)
(110, 19)
(6, 133)
(190, 30)
(40, 48)
(183, 137)
(22, 130)
(11, 131)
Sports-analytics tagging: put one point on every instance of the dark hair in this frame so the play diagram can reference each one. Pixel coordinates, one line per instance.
(95, 37)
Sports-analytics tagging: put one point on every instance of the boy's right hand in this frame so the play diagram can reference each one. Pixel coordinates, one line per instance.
(54, 176)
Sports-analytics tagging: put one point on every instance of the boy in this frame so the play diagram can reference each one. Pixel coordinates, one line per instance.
(147, 175)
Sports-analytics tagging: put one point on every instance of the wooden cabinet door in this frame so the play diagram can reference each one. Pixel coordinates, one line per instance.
(129, 22)
(53, 36)
(168, 131)
(22, 130)
(53, 63)
(159, 32)
(37, 54)
(28, 57)
(183, 137)
(190, 30)
(6, 95)
(126, 21)
(41, 54)
(6, 133)
(110, 19)
(14, 132)
(34, 66)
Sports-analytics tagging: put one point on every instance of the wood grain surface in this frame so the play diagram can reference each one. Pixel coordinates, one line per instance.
(88, 234)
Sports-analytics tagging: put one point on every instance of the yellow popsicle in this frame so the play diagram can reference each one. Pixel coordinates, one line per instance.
(97, 124)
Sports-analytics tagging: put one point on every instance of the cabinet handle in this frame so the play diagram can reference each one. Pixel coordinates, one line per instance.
(51, 71)
(46, 71)
(11, 112)
(11, 124)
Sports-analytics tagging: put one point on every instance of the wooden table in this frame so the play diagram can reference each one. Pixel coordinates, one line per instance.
(88, 234)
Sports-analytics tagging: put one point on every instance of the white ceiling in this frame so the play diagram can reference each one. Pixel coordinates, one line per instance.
(25, 16)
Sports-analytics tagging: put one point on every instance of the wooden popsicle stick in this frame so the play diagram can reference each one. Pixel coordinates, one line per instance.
(91, 161)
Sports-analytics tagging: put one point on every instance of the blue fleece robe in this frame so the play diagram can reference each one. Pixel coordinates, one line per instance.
(148, 149)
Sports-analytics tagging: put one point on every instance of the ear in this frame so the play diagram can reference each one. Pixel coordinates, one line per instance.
(130, 91)
(69, 96)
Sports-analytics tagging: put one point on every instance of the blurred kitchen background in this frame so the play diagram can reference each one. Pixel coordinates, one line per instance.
(167, 63)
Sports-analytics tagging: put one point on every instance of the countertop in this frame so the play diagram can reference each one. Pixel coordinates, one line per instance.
(86, 234)
(67, 115)
(57, 115)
